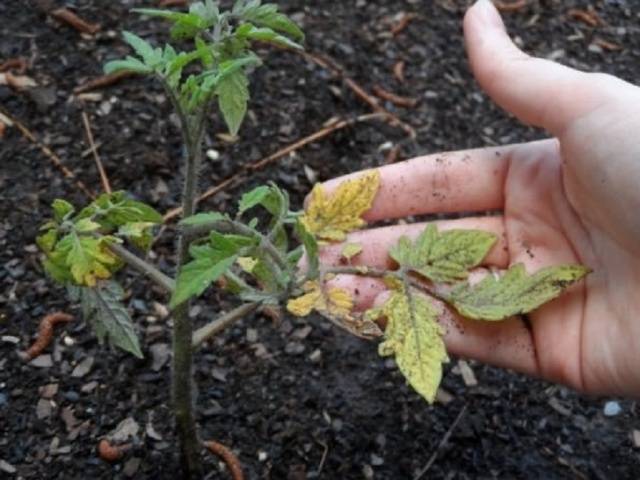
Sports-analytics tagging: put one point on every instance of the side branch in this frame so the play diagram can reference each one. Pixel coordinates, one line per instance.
(144, 267)
(221, 323)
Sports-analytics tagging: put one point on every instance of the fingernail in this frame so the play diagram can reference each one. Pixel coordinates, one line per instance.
(489, 14)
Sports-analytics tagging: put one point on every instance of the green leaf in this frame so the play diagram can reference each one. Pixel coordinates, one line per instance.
(253, 198)
(129, 64)
(86, 225)
(233, 96)
(268, 16)
(196, 276)
(414, 336)
(47, 241)
(186, 25)
(267, 35)
(311, 248)
(206, 10)
(151, 57)
(443, 256)
(514, 293)
(102, 307)
(61, 209)
(203, 219)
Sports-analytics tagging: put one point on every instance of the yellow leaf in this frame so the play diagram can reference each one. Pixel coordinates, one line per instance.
(247, 263)
(330, 218)
(335, 302)
(304, 305)
(350, 250)
(415, 338)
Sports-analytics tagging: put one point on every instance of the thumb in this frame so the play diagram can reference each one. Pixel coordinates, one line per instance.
(537, 91)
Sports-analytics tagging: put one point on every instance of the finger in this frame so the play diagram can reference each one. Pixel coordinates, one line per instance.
(471, 181)
(537, 91)
(376, 242)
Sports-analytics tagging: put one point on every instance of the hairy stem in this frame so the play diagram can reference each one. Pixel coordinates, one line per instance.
(182, 372)
(221, 323)
(144, 267)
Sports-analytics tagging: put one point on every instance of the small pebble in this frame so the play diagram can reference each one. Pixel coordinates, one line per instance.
(611, 409)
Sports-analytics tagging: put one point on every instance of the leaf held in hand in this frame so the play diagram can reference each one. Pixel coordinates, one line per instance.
(351, 250)
(414, 336)
(515, 292)
(332, 217)
(335, 302)
(443, 256)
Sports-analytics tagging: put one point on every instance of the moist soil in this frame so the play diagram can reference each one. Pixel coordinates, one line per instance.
(295, 399)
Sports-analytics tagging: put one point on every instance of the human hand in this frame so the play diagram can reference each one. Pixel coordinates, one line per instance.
(571, 199)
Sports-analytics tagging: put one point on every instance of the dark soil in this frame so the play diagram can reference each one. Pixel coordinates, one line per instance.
(341, 412)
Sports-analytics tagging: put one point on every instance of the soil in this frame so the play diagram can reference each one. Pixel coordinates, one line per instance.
(299, 399)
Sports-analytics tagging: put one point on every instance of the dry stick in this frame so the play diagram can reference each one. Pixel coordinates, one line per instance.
(103, 81)
(403, 23)
(67, 16)
(229, 458)
(444, 440)
(359, 91)
(397, 100)
(19, 65)
(510, 7)
(237, 177)
(103, 174)
(55, 159)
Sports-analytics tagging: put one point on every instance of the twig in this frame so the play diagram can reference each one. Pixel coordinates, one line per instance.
(103, 174)
(19, 65)
(360, 92)
(403, 23)
(510, 7)
(589, 17)
(221, 323)
(103, 81)
(229, 458)
(405, 102)
(143, 267)
(57, 162)
(67, 16)
(45, 333)
(237, 178)
(442, 443)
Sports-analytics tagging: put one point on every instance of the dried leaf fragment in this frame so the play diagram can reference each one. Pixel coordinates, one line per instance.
(332, 217)
(351, 250)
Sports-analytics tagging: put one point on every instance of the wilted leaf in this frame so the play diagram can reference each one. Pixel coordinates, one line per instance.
(414, 336)
(61, 209)
(515, 292)
(102, 307)
(330, 218)
(88, 259)
(443, 256)
(138, 233)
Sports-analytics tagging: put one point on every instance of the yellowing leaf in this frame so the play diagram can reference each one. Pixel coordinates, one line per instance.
(330, 218)
(334, 302)
(88, 258)
(514, 293)
(350, 250)
(415, 338)
(443, 256)
(304, 305)
(247, 263)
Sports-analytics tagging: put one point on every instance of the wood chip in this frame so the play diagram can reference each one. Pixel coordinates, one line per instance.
(468, 376)
(48, 391)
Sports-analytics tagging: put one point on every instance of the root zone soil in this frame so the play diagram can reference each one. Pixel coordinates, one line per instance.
(295, 400)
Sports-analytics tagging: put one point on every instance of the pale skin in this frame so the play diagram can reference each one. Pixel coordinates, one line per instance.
(574, 198)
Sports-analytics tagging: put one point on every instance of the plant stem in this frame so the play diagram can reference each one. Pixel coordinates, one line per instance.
(182, 372)
(144, 267)
(222, 322)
